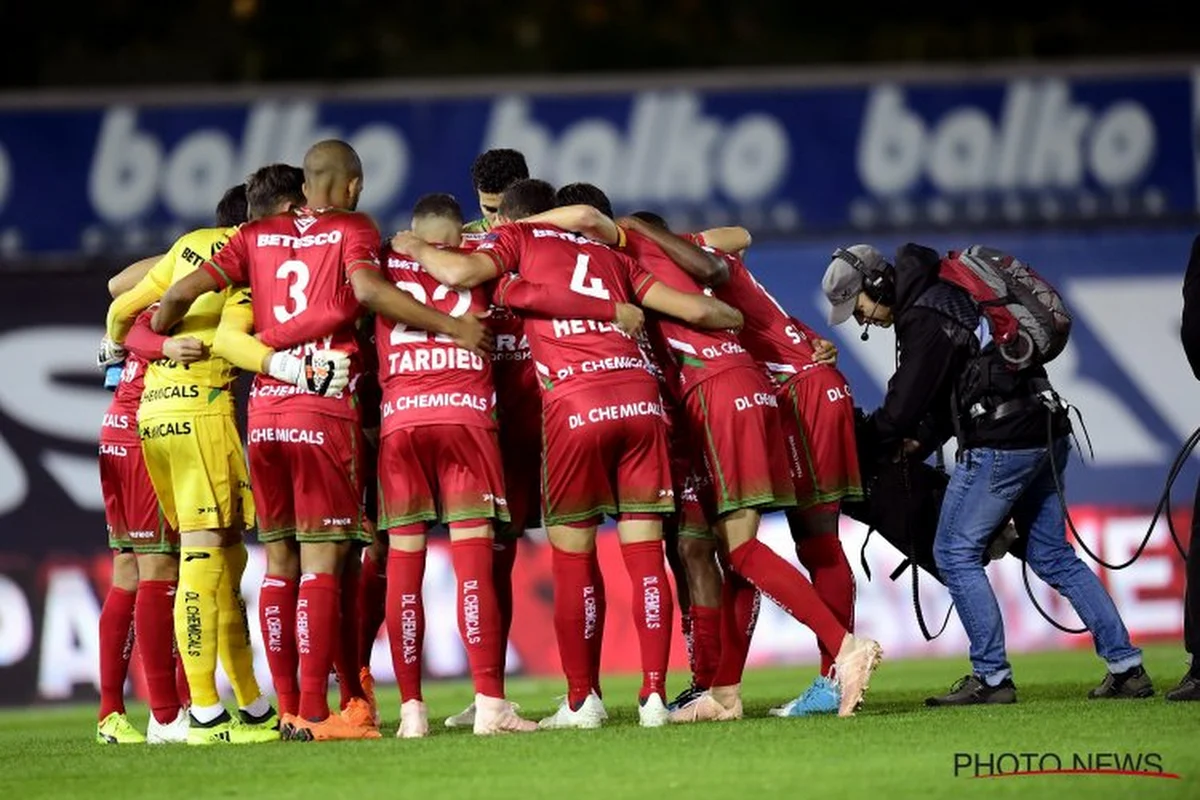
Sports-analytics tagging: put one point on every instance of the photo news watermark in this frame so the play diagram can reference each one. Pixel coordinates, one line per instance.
(1011, 765)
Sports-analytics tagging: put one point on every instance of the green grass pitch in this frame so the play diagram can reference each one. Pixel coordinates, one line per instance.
(894, 748)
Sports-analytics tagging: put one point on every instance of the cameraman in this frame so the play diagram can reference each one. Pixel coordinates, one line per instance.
(1189, 687)
(1003, 465)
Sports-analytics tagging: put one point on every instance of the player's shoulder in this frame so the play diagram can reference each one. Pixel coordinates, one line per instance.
(203, 239)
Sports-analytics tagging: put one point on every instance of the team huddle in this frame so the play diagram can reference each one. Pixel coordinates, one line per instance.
(547, 365)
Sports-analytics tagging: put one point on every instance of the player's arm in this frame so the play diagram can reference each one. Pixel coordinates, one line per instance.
(126, 307)
(150, 346)
(324, 372)
(127, 278)
(697, 310)
(382, 297)
(550, 302)
(455, 269)
(589, 221)
(733, 239)
(708, 268)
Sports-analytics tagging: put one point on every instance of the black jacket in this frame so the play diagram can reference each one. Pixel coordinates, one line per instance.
(1190, 332)
(935, 335)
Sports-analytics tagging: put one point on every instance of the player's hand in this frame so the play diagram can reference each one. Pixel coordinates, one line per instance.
(630, 318)
(824, 352)
(471, 334)
(406, 242)
(323, 372)
(184, 350)
(109, 353)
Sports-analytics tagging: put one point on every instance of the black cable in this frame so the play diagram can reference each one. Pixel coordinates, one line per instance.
(1164, 502)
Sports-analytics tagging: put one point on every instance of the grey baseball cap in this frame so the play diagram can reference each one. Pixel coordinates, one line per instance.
(845, 276)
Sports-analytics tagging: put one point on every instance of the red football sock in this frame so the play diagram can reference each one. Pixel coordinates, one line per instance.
(739, 601)
(116, 645)
(575, 620)
(406, 618)
(790, 590)
(316, 635)
(826, 563)
(181, 685)
(504, 557)
(653, 607)
(478, 617)
(372, 606)
(277, 619)
(685, 628)
(596, 642)
(706, 645)
(154, 619)
(345, 654)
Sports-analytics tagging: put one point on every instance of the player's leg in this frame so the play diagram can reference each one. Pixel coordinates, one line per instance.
(212, 495)
(328, 493)
(406, 509)
(576, 493)
(175, 464)
(346, 664)
(642, 468)
(371, 602)
(750, 472)
(234, 648)
(116, 646)
(158, 579)
(471, 498)
(274, 504)
(696, 549)
(117, 615)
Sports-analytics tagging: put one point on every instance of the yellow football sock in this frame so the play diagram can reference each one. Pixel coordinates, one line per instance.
(237, 659)
(196, 620)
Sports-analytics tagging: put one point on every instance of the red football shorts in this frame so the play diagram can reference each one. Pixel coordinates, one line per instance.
(605, 449)
(131, 511)
(521, 459)
(818, 420)
(440, 473)
(306, 471)
(734, 417)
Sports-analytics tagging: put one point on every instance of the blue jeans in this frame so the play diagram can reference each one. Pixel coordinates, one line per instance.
(987, 488)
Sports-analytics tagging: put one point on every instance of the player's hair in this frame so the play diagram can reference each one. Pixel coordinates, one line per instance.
(439, 204)
(526, 198)
(650, 218)
(329, 157)
(586, 194)
(272, 185)
(231, 209)
(496, 170)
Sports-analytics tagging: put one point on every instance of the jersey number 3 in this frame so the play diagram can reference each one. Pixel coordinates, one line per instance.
(294, 276)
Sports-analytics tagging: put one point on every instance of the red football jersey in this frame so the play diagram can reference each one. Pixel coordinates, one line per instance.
(426, 378)
(297, 264)
(512, 366)
(571, 353)
(699, 353)
(120, 421)
(779, 341)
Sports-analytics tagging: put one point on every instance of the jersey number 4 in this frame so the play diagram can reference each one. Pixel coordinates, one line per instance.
(582, 283)
(401, 334)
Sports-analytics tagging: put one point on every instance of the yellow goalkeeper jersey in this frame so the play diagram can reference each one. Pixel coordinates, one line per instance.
(171, 387)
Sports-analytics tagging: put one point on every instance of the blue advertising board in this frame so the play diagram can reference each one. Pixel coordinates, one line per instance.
(127, 177)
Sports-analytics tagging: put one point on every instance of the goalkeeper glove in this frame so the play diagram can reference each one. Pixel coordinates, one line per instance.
(324, 372)
(110, 353)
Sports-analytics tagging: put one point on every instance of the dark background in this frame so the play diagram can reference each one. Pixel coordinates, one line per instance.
(123, 42)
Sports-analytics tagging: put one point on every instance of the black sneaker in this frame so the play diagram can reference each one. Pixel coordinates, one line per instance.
(683, 698)
(1132, 683)
(971, 690)
(1188, 689)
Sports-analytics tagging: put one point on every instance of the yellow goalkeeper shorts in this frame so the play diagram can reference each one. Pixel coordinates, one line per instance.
(198, 470)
